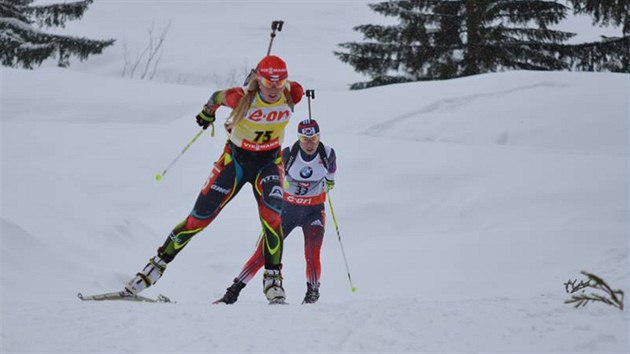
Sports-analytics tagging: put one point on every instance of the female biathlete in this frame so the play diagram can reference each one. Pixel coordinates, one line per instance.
(260, 113)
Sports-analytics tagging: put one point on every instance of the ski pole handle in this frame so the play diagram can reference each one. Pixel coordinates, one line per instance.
(159, 176)
(332, 212)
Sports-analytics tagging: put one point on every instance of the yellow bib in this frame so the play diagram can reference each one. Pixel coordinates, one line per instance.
(262, 128)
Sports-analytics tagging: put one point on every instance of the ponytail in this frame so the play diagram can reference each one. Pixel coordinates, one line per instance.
(245, 102)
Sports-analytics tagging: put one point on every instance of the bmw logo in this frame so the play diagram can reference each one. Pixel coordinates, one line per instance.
(306, 172)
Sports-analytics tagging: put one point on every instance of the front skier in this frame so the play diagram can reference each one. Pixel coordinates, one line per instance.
(310, 168)
(260, 113)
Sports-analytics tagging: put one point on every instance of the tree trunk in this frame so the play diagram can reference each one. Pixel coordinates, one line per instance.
(473, 38)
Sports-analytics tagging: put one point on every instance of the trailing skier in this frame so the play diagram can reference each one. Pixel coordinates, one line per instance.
(310, 168)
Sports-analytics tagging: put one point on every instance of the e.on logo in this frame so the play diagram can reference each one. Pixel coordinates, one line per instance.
(272, 116)
(299, 200)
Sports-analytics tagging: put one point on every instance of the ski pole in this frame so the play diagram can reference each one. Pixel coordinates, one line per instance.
(310, 94)
(159, 176)
(275, 26)
(332, 212)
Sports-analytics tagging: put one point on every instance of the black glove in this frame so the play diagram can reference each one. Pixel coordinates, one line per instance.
(205, 118)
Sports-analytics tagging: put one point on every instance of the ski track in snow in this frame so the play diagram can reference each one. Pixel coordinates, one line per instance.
(449, 104)
(385, 325)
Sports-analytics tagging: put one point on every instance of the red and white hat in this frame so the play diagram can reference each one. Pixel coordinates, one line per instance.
(272, 68)
(308, 127)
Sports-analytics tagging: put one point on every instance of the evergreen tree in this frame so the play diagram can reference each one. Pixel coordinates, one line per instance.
(22, 44)
(610, 54)
(440, 39)
(605, 12)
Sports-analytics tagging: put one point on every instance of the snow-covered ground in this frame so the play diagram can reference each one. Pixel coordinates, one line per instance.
(463, 206)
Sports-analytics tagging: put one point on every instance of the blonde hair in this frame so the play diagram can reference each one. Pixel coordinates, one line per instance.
(245, 103)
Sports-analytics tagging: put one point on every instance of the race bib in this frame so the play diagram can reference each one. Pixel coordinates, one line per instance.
(263, 126)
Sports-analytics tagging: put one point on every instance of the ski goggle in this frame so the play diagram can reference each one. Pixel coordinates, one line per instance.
(271, 84)
(309, 139)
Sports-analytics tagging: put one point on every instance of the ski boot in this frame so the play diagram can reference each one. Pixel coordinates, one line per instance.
(312, 293)
(272, 286)
(231, 295)
(147, 277)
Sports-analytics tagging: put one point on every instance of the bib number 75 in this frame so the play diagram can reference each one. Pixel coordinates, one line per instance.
(263, 136)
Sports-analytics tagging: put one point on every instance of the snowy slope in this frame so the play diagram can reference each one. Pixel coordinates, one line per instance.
(463, 206)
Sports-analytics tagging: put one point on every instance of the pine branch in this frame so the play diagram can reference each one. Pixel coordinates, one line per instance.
(583, 299)
(611, 297)
(611, 54)
(604, 13)
(21, 44)
(522, 12)
(56, 15)
(571, 287)
(11, 11)
(616, 296)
